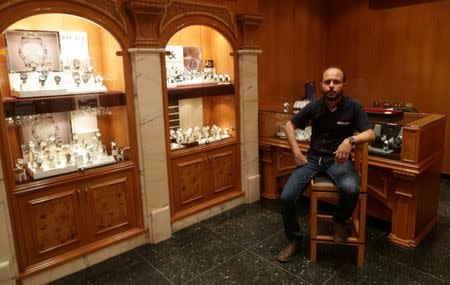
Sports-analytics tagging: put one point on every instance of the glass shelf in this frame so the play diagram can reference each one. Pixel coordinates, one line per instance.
(192, 91)
(40, 105)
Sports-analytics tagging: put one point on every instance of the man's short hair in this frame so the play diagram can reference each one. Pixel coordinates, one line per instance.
(343, 73)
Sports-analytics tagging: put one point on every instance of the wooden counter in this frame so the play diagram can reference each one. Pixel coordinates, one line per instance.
(402, 191)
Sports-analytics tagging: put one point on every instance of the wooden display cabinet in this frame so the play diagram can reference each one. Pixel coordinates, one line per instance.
(61, 219)
(403, 187)
(204, 176)
(202, 124)
(70, 189)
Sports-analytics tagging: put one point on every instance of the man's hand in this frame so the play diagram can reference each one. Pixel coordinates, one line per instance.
(300, 159)
(343, 151)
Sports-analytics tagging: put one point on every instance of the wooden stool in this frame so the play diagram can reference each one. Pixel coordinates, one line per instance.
(323, 188)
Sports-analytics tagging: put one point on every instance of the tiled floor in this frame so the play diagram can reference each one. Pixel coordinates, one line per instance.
(239, 247)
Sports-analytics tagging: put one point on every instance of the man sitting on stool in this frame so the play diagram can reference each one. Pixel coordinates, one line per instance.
(334, 119)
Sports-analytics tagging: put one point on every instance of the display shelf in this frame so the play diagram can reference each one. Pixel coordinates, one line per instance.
(193, 91)
(202, 147)
(14, 106)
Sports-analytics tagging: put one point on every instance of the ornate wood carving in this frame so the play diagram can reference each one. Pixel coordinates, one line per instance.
(110, 8)
(146, 15)
(249, 24)
(179, 9)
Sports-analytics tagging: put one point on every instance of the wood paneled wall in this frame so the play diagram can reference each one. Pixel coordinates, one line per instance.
(293, 40)
(396, 52)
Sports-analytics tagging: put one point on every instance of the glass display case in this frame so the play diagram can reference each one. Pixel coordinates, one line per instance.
(62, 134)
(200, 86)
(272, 120)
(389, 126)
(202, 120)
(58, 108)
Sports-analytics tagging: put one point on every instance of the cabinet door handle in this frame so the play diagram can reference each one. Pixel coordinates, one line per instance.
(78, 195)
(86, 194)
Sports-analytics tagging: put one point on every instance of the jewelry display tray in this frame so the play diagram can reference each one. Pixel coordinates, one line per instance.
(55, 92)
(378, 150)
(62, 169)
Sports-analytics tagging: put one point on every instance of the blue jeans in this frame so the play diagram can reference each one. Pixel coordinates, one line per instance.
(343, 175)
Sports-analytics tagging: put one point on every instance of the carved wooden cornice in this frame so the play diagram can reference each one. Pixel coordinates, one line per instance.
(179, 9)
(109, 8)
(146, 15)
(249, 25)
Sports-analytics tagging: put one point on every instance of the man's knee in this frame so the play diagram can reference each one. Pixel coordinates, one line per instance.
(350, 186)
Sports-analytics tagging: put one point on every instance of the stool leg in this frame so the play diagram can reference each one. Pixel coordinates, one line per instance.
(313, 252)
(361, 253)
(313, 226)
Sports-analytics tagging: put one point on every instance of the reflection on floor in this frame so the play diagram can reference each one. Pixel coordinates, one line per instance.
(239, 247)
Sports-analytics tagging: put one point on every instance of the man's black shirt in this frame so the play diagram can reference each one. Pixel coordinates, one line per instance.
(329, 128)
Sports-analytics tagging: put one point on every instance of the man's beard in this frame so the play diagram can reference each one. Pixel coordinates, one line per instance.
(329, 95)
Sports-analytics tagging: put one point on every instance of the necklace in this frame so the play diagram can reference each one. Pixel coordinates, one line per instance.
(44, 127)
(33, 52)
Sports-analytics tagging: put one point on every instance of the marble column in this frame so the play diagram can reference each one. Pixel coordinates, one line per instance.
(8, 265)
(248, 90)
(148, 101)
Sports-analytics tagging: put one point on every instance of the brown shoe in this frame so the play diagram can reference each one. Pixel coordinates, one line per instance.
(288, 252)
(340, 231)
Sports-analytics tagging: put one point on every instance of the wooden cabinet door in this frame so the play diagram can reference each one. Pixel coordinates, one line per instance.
(223, 170)
(188, 181)
(51, 222)
(109, 205)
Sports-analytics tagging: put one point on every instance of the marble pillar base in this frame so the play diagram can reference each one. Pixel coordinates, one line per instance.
(6, 272)
(160, 227)
(253, 191)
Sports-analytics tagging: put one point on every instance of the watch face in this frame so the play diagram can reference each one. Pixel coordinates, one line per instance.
(76, 63)
(351, 140)
(86, 76)
(23, 76)
(76, 75)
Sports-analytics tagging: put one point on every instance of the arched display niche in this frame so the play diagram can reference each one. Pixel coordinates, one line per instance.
(113, 61)
(206, 175)
(245, 136)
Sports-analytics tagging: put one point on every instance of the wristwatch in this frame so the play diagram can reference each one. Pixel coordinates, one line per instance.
(352, 141)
